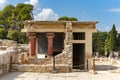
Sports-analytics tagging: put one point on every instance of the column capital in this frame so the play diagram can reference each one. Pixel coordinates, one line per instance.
(50, 35)
(31, 34)
(32, 37)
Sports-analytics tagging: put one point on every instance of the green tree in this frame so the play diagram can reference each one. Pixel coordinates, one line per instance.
(118, 42)
(5, 15)
(12, 17)
(23, 12)
(107, 45)
(65, 18)
(111, 41)
(99, 42)
(23, 38)
(3, 33)
(113, 38)
(13, 35)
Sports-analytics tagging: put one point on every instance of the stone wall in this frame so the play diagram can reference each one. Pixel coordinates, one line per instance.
(8, 43)
(4, 68)
(5, 61)
(8, 52)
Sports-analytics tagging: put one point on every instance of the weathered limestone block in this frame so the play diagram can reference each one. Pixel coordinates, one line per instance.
(1, 71)
(23, 58)
(44, 69)
(21, 68)
(9, 43)
(33, 61)
(5, 56)
(68, 31)
(7, 68)
(69, 36)
(68, 27)
(37, 68)
(62, 68)
(49, 68)
(30, 68)
(23, 47)
(90, 63)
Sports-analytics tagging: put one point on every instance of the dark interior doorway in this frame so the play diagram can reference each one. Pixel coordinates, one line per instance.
(58, 43)
(78, 56)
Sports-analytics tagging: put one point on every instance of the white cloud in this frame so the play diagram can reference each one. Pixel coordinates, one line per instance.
(107, 28)
(118, 29)
(115, 10)
(104, 28)
(41, 14)
(32, 2)
(36, 5)
(3, 3)
(46, 14)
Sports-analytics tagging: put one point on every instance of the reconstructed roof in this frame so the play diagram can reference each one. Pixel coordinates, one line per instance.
(51, 22)
(56, 26)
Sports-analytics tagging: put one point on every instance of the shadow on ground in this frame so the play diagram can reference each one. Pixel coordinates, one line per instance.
(105, 67)
(11, 76)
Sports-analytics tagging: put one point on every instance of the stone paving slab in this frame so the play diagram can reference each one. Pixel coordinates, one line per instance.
(30, 78)
(101, 75)
(18, 79)
(57, 78)
(42, 79)
(71, 78)
(24, 74)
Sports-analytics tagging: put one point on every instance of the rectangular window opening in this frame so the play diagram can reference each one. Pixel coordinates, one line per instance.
(79, 36)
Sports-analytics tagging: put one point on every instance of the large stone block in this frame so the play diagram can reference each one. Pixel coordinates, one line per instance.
(29, 68)
(49, 68)
(62, 68)
(37, 68)
(43, 68)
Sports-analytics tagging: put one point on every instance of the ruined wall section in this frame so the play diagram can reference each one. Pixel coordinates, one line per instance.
(65, 57)
(8, 55)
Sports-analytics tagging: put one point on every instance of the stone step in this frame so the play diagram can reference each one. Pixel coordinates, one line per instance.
(39, 68)
(39, 61)
(13, 70)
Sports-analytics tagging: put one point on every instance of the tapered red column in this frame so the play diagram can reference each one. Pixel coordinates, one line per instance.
(32, 44)
(50, 37)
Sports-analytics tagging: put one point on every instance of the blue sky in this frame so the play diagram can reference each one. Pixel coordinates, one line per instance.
(106, 12)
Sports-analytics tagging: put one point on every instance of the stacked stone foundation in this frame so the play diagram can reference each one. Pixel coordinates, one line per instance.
(4, 68)
(41, 68)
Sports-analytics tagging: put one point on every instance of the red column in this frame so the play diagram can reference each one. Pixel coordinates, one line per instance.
(50, 37)
(32, 44)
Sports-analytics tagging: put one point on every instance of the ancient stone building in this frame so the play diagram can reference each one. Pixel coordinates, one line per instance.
(70, 41)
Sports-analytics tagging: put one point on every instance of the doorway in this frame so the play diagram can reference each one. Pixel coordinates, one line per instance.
(79, 56)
